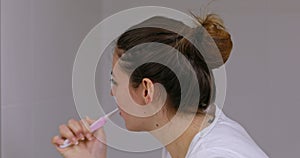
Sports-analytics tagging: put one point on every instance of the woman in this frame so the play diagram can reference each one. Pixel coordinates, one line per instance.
(223, 137)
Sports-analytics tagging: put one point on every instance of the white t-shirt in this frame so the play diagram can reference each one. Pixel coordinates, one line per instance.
(223, 138)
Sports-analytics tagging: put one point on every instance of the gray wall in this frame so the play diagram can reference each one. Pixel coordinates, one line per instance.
(40, 38)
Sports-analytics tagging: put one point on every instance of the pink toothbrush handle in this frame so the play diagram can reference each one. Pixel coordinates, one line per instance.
(98, 124)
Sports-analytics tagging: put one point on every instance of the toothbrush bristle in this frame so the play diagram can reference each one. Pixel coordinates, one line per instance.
(109, 114)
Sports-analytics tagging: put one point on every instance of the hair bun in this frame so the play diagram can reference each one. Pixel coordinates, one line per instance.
(216, 29)
(212, 22)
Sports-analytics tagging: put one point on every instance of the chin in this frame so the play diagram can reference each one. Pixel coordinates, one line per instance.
(132, 128)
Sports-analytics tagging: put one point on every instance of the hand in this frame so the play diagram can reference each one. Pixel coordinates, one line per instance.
(88, 146)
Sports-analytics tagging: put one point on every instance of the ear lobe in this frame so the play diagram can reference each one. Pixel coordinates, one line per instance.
(148, 100)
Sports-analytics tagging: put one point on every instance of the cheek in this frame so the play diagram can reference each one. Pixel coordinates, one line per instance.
(136, 95)
(128, 101)
(136, 98)
(126, 98)
(122, 99)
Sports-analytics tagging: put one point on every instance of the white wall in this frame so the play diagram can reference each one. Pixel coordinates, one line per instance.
(39, 40)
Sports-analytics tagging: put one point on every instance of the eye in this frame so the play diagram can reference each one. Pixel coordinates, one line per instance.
(112, 81)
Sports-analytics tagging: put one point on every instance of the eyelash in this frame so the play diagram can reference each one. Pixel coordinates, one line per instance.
(113, 81)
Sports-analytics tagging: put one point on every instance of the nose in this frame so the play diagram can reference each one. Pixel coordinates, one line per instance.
(111, 93)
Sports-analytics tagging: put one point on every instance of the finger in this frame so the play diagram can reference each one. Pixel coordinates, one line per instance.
(100, 130)
(56, 140)
(76, 128)
(86, 129)
(67, 133)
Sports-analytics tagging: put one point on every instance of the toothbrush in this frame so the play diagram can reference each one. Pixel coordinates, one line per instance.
(96, 125)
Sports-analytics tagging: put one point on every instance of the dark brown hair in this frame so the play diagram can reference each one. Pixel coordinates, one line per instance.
(162, 74)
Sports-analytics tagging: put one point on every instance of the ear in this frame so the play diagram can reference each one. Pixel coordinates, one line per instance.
(148, 90)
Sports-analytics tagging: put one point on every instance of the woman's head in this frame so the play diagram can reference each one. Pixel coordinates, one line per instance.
(146, 75)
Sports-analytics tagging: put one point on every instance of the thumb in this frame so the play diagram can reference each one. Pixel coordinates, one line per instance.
(89, 120)
(99, 133)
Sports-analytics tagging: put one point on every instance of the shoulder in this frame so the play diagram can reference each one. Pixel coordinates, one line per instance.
(226, 139)
(215, 153)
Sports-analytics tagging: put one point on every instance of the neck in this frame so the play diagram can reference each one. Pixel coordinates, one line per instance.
(170, 129)
(179, 147)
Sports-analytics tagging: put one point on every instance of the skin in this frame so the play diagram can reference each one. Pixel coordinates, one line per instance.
(90, 147)
(86, 143)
